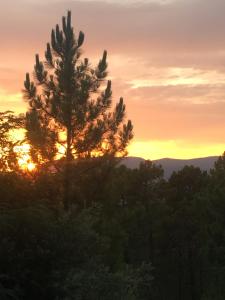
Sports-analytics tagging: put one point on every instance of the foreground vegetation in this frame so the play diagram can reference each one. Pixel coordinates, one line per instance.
(129, 234)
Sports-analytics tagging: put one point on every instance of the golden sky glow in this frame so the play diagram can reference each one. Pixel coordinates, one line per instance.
(24, 159)
(170, 71)
(173, 149)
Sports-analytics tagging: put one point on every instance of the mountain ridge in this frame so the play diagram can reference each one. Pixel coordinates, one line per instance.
(171, 165)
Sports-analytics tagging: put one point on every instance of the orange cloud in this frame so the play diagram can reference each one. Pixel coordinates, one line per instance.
(170, 71)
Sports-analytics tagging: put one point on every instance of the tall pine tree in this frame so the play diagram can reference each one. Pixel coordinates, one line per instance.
(70, 104)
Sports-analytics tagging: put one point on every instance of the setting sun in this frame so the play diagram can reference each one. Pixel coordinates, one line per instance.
(31, 166)
(24, 159)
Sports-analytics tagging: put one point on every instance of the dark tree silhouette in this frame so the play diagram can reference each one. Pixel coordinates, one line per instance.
(69, 104)
(8, 157)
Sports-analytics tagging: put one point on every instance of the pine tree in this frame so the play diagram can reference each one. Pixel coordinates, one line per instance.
(70, 103)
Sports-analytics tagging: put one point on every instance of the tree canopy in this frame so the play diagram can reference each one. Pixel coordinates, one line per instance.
(70, 102)
(8, 123)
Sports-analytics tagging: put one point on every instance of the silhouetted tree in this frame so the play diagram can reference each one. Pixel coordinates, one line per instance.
(186, 232)
(8, 123)
(69, 106)
(139, 237)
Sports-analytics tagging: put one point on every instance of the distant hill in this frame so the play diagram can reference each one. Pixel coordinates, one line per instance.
(170, 165)
(132, 162)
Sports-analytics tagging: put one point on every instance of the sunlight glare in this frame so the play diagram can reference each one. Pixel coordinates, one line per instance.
(24, 159)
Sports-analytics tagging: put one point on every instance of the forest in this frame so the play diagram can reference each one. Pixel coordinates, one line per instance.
(77, 224)
(129, 234)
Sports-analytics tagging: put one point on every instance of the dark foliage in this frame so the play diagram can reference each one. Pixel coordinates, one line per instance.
(69, 95)
(132, 235)
(70, 105)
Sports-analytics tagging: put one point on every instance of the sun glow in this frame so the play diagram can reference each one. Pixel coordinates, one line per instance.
(24, 159)
(155, 149)
(31, 166)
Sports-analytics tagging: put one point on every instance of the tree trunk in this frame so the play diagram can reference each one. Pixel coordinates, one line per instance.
(192, 274)
(66, 200)
(180, 274)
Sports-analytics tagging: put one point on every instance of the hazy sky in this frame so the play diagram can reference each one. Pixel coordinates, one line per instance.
(166, 58)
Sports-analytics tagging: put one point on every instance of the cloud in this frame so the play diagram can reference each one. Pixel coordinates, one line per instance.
(167, 58)
(146, 30)
(144, 23)
(174, 120)
(11, 101)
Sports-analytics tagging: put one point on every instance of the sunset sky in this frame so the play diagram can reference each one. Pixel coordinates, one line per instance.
(166, 58)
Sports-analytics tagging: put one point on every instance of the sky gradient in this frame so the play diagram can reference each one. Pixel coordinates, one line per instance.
(166, 58)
